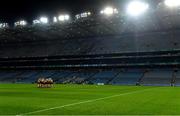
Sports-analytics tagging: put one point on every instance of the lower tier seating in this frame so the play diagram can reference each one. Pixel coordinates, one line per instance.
(156, 77)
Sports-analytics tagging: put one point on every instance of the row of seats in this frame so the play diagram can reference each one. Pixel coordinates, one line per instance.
(101, 45)
(157, 77)
(129, 77)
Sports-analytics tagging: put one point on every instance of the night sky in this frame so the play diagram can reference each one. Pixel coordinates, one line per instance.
(13, 10)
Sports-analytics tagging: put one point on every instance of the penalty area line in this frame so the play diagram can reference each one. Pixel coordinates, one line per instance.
(83, 102)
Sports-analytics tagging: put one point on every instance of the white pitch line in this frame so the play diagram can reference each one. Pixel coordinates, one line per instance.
(88, 101)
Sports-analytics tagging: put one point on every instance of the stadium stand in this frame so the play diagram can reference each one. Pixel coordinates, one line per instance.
(177, 79)
(96, 49)
(102, 77)
(158, 77)
(129, 77)
(152, 77)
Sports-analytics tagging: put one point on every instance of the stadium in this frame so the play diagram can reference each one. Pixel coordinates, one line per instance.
(111, 62)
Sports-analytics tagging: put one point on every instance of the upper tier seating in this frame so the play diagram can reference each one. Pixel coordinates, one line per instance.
(83, 46)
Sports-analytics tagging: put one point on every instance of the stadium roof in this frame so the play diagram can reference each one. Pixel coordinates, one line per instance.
(130, 7)
(31, 9)
(161, 18)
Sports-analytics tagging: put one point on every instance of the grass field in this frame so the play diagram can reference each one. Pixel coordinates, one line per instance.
(20, 99)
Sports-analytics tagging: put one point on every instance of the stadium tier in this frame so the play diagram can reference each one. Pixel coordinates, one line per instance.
(99, 49)
(153, 77)
(95, 35)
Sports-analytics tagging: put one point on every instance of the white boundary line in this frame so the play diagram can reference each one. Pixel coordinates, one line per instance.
(88, 101)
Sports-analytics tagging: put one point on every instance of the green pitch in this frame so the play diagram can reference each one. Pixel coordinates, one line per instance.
(87, 100)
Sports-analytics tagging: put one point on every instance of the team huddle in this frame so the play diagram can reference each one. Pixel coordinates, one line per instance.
(45, 83)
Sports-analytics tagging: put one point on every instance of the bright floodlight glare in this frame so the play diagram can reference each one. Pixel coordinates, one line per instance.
(3, 25)
(44, 20)
(89, 13)
(36, 22)
(102, 12)
(66, 17)
(83, 15)
(78, 16)
(55, 20)
(108, 10)
(61, 18)
(172, 3)
(21, 23)
(137, 8)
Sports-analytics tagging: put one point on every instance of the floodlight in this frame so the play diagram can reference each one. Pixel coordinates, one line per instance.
(115, 11)
(4, 25)
(21, 23)
(55, 20)
(1, 25)
(61, 18)
(172, 3)
(89, 13)
(83, 15)
(109, 11)
(36, 22)
(102, 12)
(66, 17)
(137, 8)
(44, 20)
(78, 16)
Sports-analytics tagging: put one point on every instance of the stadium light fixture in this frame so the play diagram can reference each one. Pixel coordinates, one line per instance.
(89, 13)
(63, 17)
(21, 23)
(55, 20)
(172, 3)
(102, 12)
(4, 25)
(109, 11)
(83, 15)
(66, 17)
(36, 22)
(136, 8)
(44, 20)
(78, 16)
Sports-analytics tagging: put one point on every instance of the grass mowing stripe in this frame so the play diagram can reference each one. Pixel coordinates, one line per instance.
(83, 102)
